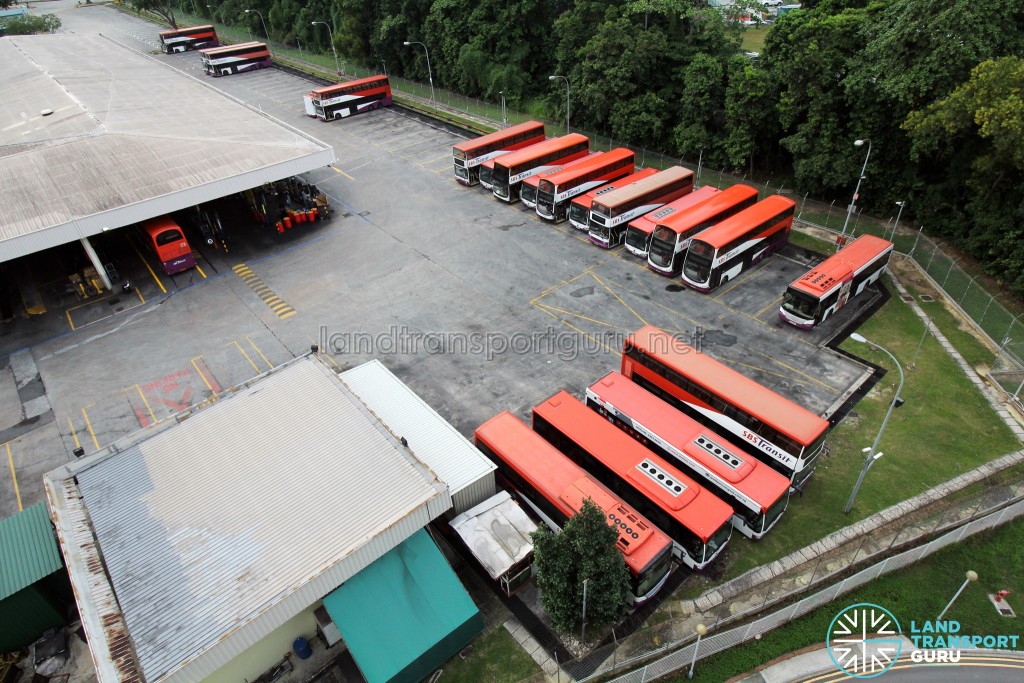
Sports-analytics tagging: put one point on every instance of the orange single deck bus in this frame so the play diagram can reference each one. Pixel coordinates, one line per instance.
(834, 281)
(672, 237)
(639, 230)
(467, 156)
(234, 59)
(341, 100)
(510, 170)
(757, 493)
(611, 213)
(557, 191)
(554, 488)
(165, 238)
(784, 435)
(190, 38)
(579, 208)
(722, 252)
(695, 518)
(528, 190)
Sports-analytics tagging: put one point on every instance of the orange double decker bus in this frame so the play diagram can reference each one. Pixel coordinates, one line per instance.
(611, 213)
(695, 519)
(556, 191)
(554, 488)
(510, 170)
(672, 236)
(579, 208)
(469, 155)
(757, 493)
(834, 281)
(528, 191)
(189, 38)
(341, 100)
(639, 230)
(784, 435)
(722, 252)
(234, 59)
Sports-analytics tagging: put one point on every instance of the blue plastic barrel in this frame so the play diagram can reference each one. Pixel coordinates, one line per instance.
(302, 648)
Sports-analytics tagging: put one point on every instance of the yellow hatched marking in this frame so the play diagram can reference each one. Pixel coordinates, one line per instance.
(14, 478)
(628, 307)
(540, 307)
(577, 315)
(88, 426)
(286, 315)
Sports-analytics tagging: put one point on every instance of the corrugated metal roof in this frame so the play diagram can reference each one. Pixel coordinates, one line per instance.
(497, 532)
(208, 526)
(129, 138)
(434, 441)
(28, 549)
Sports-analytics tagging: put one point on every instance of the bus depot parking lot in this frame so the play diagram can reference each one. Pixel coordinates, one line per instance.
(476, 305)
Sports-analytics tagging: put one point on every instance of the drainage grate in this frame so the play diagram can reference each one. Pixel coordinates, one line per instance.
(907, 299)
(927, 298)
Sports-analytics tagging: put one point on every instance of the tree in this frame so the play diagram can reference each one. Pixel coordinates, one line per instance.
(28, 24)
(161, 7)
(585, 550)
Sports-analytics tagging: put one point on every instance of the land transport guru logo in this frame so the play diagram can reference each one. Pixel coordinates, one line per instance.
(864, 640)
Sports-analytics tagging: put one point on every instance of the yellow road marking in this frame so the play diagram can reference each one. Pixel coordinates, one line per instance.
(205, 381)
(737, 283)
(760, 369)
(146, 263)
(242, 351)
(799, 372)
(563, 283)
(68, 314)
(257, 349)
(74, 435)
(287, 315)
(577, 315)
(338, 170)
(630, 308)
(540, 307)
(14, 478)
(771, 305)
(200, 271)
(88, 426)
(660, 305)
(143, 397)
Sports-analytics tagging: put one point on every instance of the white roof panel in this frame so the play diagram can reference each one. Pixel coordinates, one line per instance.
(497, 532)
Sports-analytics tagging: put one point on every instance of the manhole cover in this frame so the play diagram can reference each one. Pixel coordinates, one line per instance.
(927, 298)
(907, 299)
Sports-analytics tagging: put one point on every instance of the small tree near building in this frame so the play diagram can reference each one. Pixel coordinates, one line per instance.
(584, 550)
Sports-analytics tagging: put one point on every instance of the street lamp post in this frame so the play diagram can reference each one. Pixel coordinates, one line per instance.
(971, 577)
(551, 78)
(872, 456)
(899, 213)
(299, 43)
(701, 631)
(330, 34)
(583, 622)
(430, 75)
(700, 159)
(385, 65)
(504, 118)
(265, 31)
(856, 192)
(212, 11)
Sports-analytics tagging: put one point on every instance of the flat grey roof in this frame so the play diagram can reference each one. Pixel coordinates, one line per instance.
(216, 529)
(129, 138)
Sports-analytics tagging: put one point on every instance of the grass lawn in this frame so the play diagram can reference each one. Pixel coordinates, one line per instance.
(917, 593)
(753, 37)
(496, 657)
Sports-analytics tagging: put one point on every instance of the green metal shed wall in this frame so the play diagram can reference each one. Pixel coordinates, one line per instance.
(24, 616)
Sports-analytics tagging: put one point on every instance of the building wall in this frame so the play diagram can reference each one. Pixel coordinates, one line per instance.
(268, 652)
(25, 615)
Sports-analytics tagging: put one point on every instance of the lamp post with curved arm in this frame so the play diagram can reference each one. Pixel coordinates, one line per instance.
(551, 78)
(330, 34)
(430, 76)
(856, 192)
(265, 31)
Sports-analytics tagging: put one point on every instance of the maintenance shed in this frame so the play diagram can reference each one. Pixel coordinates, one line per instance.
(457, 462)
(200, 547)
(500, 536)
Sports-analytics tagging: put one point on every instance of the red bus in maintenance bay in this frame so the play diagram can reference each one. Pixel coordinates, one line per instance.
(834, 281)
(639, 230)
(166, 240)
(579, 208)
(693, 517)
(555, 488)
(782, 434)
(557, 191)
(469, 155)
(510, 170)
(611, 213)
(757, 493)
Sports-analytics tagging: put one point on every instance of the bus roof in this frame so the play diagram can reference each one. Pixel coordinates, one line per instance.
(186, 29)
(533, 151)
(535, 179)
(686, 204)
(564, 480)
(681, 222)
(840, 266)
(499, 135)
(722, 233)
(795, 421)
(252, 45)
(729, 462)
(587, 199)
(355, 83)
(698, 510)
(153, 226)
(586, 165)
(629, 192)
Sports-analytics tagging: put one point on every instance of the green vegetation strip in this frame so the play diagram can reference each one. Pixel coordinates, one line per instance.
(917, 593)
(496, 658)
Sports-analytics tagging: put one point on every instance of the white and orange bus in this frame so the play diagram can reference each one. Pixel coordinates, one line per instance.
(341, 100)
(469, 155)
(611, 213)
(510, 170)
(557, 191)
(639, 230)
(554, 488)
(234, 59)
(834, 281)
(784, 435)
(722, 252)
(579, 208)
(190, 38)
(528, 190)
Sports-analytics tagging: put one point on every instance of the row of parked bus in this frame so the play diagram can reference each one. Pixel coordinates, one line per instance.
(705, 236)
(217, 59)
(676, 449)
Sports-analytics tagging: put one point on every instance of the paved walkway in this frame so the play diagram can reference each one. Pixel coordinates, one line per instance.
(552, 672)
